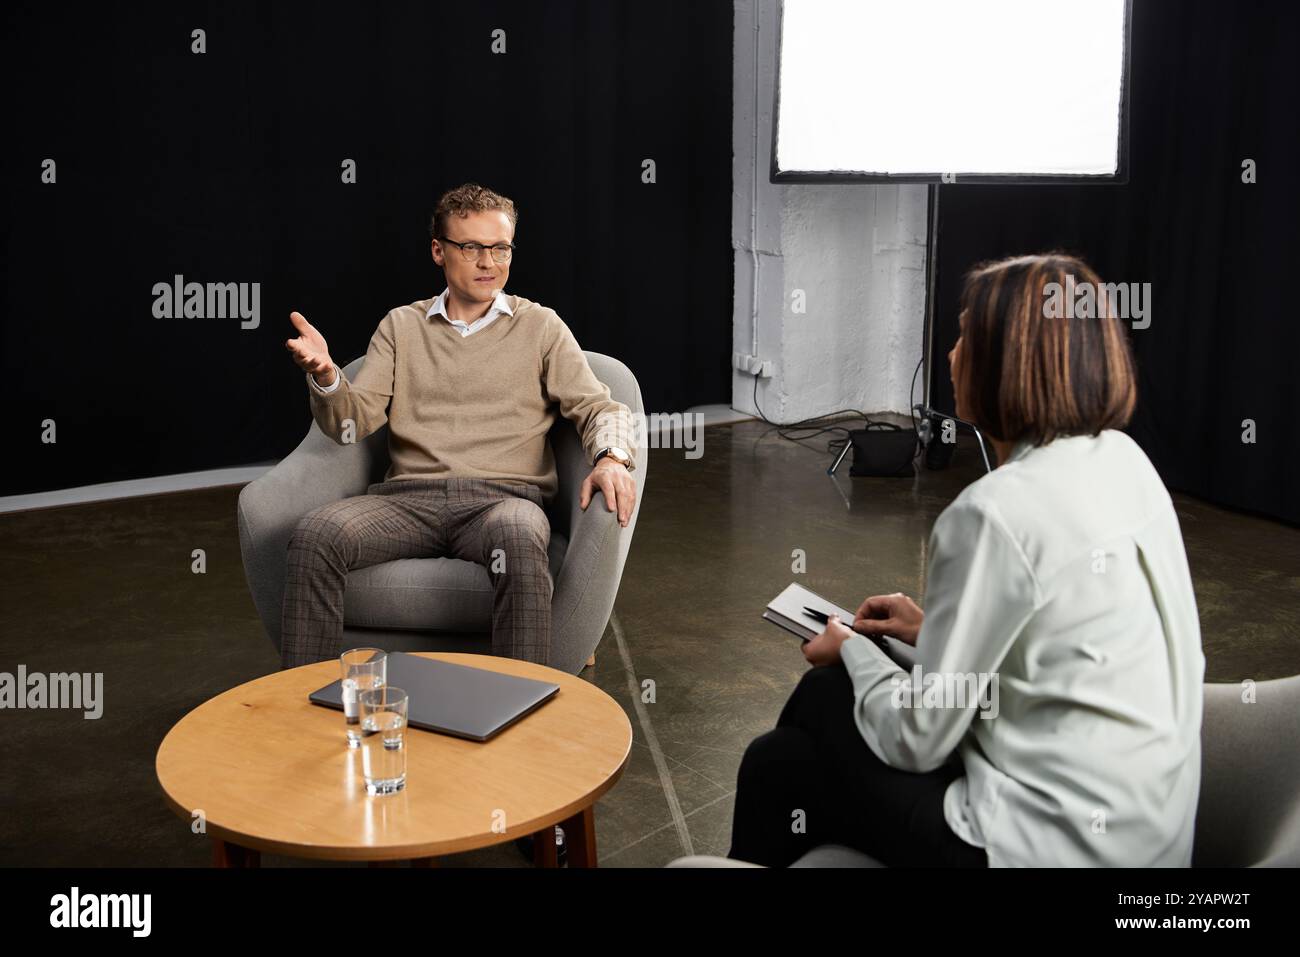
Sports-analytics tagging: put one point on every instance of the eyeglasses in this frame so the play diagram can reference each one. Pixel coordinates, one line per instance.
(501, 252)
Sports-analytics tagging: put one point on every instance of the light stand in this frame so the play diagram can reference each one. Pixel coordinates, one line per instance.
(928, 414)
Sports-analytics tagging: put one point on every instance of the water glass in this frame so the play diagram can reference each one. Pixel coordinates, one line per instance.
(383, 739)
(363, 669)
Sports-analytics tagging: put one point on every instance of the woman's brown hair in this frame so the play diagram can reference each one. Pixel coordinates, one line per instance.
(1032, 370)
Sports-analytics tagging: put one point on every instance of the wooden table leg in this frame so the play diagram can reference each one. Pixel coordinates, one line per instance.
(225, 854)
(544, 850)
(580, 836)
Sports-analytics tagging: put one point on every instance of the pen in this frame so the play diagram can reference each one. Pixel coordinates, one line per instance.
(822, 616)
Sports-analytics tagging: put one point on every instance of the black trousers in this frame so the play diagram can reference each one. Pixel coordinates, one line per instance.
(816, 762)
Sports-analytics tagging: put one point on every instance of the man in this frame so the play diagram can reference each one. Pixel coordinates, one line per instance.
(469, 383)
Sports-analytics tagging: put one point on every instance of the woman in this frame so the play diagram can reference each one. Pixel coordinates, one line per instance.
(1055, 719)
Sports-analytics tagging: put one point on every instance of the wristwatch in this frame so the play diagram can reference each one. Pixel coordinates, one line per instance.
(620, 456)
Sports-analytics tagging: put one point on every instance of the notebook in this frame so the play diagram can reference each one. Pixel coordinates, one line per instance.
(787, 611)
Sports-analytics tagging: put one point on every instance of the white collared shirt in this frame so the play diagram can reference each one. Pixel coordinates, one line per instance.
(1063, 572)
(500, 306)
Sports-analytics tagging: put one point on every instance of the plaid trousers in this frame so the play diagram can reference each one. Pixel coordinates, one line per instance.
(422, 518)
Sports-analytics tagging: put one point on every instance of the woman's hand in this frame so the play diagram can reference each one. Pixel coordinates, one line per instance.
(824, 649)
(894, 615)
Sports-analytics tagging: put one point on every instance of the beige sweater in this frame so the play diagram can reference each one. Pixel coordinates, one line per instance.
(477, 406)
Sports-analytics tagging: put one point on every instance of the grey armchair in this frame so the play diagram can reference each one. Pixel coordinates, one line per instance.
(1249, 809)
(443, 604)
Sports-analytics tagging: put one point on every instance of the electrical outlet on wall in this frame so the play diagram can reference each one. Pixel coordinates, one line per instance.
(752, 365)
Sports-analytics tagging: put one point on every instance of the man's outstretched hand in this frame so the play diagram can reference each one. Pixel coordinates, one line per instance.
(616, 483)
(310, 351)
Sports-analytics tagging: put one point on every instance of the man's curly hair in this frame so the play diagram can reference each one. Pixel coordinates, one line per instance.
(466, 199)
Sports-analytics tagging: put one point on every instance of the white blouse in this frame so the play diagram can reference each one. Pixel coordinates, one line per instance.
(1060, 580)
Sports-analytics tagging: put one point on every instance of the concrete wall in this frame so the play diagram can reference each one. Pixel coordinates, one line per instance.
(857, 253)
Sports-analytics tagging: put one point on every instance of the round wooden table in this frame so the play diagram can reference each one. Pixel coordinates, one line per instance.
(272, 773)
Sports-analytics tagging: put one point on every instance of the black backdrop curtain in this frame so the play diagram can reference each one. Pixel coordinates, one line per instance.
(1213, 84)
(226, 167)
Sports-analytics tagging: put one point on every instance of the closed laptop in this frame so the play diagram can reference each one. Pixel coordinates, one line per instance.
(454, 699)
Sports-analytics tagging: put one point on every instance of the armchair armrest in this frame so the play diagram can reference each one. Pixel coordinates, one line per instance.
(317, 472)
(588, 580)
(1248, 812)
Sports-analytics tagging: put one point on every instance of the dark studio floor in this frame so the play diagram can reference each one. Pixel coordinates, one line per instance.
(107, 587)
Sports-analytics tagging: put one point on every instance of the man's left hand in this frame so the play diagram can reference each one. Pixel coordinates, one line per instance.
(617, 485)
